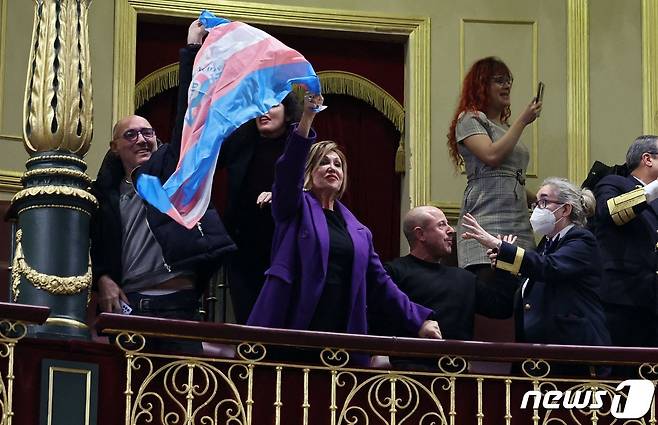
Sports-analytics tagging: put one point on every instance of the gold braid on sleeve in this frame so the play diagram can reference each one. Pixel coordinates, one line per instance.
(514, 267)
(621, 207)
(56, 285)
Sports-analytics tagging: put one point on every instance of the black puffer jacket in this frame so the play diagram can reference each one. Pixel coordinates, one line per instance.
(201, 248)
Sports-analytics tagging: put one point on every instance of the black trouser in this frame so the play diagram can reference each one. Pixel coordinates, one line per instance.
(484, 272)
(245, 280)
(180, 305)
(632, 326)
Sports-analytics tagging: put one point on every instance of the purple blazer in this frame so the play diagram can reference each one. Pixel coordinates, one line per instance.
(300, 252)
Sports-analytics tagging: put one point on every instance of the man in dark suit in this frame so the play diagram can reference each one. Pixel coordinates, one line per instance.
(626, 227)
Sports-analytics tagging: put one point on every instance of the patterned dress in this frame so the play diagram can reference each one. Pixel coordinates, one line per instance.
(495, 196)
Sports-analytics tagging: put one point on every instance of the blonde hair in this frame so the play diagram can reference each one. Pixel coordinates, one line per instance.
(318, 151)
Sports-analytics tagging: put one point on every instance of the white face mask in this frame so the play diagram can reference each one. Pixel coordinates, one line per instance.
(543, 220)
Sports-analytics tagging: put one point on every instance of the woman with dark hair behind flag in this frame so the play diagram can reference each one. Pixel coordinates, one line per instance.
(248, 155)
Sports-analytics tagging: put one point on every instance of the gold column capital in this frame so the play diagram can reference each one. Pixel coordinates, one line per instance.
(57, 113)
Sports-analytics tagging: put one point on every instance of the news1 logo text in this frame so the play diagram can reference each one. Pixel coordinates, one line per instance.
(638, 399)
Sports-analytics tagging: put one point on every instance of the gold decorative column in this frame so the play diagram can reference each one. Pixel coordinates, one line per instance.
(51, 264)
(578, 88)
(649, 66)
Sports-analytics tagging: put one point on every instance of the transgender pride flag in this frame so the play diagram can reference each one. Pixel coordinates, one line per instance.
(239, 73)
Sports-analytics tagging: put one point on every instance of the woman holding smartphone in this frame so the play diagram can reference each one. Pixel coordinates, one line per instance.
(482, 140)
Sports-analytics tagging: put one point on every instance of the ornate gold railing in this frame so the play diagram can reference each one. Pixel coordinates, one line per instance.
(265, 380)
(14, 319)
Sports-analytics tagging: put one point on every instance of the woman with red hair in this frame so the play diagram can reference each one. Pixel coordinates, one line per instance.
(482, 140)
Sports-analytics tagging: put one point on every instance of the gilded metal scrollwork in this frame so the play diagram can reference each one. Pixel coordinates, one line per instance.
(394, 395)
(56, 285)
(188, 390)
(536, 368)
(452, 365)
(648, 371)
(173, 389)
(334, 358)
(130, 342)
(56, 190)
(10, 333)
(252, 352)
(12, 330)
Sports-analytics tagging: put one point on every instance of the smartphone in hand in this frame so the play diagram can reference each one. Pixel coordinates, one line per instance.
(125, 308)
(540, 92)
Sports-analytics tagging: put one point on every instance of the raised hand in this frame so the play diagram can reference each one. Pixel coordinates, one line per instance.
(264, 198)
(531, 112)
(492, 253)
(312, 105)
(196, 32)
(476, 232)
(313, 102)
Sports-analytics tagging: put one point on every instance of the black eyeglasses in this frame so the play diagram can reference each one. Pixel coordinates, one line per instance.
(501, 80)
(542, 203)
(132, 134)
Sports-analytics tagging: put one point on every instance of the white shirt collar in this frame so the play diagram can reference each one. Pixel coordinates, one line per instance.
(562, 232)
(641, 182)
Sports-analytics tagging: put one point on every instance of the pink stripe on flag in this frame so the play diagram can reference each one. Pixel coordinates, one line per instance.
(237, 66)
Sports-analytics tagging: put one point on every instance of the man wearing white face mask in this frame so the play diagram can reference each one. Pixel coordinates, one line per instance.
(559, 301)
(626, 227)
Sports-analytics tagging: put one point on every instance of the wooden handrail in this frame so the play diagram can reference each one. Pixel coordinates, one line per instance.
(24, 313)
(396, 346)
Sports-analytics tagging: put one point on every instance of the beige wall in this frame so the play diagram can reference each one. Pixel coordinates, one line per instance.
(615, 78)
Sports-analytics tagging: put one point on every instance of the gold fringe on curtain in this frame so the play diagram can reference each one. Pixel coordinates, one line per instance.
(341, 82)
(348, 83)
(155, 83)
(333, 82)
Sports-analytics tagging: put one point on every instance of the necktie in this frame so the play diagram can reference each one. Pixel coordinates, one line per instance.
(550, 244)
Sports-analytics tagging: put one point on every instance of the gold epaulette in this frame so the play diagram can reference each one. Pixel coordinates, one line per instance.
(621, 207)
(514, 267)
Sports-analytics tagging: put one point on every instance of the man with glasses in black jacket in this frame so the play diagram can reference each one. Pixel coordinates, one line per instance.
(144, 262)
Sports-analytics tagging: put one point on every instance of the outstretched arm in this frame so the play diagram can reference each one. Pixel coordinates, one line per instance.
(621, 208)
(289, 169)
(195, 35)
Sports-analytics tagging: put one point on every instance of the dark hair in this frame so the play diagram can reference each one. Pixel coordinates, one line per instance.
(291, 107)
(640, 146)
(475, 97)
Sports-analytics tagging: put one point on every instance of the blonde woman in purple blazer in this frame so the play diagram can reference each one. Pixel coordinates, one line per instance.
(324, 270)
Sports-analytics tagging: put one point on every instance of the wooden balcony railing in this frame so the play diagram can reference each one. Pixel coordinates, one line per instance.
(14, 319)
(275, 376)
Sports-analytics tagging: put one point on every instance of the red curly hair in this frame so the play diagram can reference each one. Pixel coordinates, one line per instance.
(475, 97)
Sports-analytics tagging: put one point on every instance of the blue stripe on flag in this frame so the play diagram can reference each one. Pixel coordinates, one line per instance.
(251, 98)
